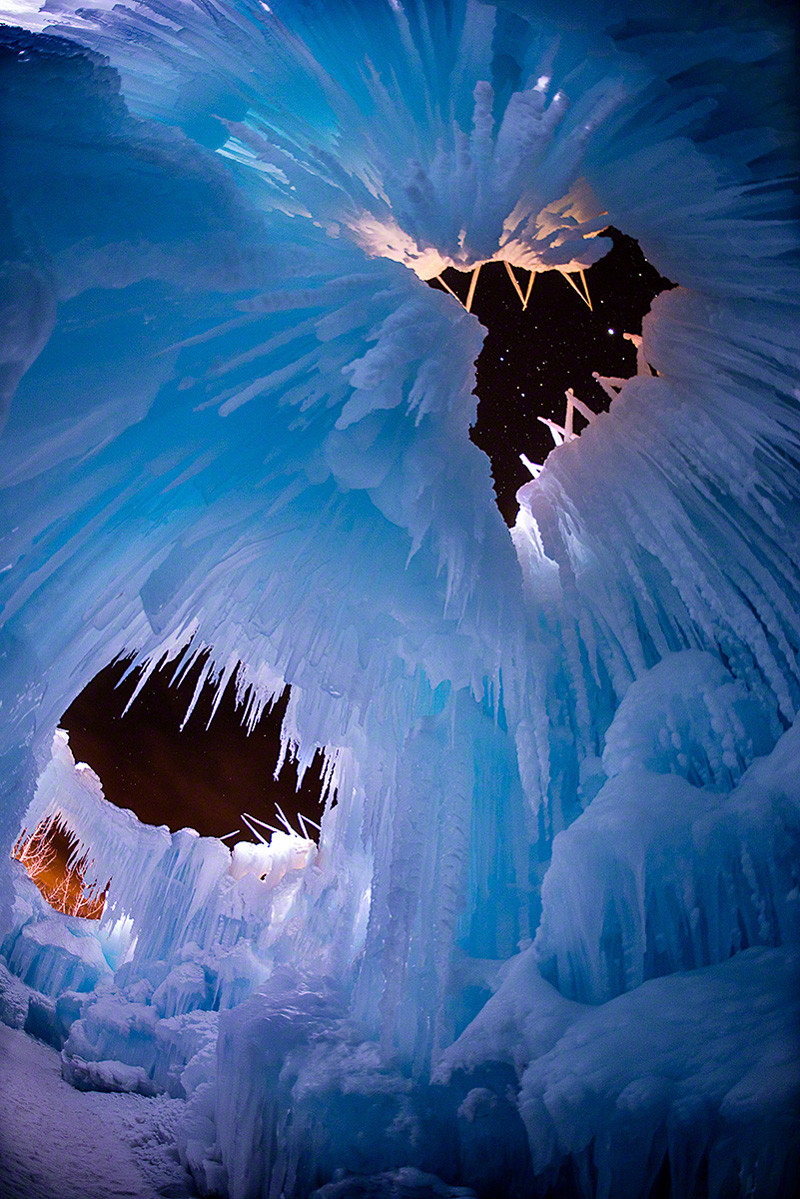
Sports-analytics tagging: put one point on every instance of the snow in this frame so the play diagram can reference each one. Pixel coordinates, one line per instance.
(560, 764)
(55, 1140)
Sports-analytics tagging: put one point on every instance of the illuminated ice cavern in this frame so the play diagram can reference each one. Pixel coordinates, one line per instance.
(548, 941)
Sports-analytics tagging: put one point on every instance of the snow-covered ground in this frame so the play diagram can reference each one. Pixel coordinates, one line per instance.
(59, 1143)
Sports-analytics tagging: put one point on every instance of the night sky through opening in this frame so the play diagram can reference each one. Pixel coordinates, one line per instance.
(205, 777)
(200, 777)
(530, 357)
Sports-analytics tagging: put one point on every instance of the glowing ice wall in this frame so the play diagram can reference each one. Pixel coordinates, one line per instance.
(238, 422)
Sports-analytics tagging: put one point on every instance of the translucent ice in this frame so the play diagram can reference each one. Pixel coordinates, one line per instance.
(658, 876)
(239, 429)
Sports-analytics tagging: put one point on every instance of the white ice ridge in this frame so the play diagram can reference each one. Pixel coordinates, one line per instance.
(177, 889)
(238, 425)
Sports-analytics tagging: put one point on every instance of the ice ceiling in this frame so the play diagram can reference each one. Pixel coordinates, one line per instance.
(237, 423)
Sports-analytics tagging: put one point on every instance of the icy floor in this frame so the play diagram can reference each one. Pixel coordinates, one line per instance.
(59, 1143)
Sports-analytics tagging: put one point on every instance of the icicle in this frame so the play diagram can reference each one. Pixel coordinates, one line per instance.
(534, 467)
(284, 821)
(587, 297)
(556, 430)
(448, 288)
(473, 283)
(642, 365)
(575, 287)
(583, 408)
(568, 433)
(610, 386)
(513, 278)
(226, 674)
(270, 827)
(248, 821)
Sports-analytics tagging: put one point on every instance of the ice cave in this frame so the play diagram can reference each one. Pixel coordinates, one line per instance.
(546, 940)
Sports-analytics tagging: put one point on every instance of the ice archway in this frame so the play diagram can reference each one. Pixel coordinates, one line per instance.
(238, 423)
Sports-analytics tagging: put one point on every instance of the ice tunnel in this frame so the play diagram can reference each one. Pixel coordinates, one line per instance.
(547, 942)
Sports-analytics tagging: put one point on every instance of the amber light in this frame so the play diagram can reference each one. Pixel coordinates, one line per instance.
(46, 855)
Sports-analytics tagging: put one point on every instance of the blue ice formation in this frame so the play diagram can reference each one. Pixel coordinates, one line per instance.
(549, 937)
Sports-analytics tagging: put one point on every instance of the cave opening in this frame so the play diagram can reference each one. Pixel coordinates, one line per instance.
(545, 334)
(203, 775)
(534, 352)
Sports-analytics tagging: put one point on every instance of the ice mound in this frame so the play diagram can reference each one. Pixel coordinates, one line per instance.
(658, 876)
(116, 1026)
(688, 716)
(241, 431)
(699, 1066)
(106, 1076)
(49, 951)
(52, 957)
(697, 1069)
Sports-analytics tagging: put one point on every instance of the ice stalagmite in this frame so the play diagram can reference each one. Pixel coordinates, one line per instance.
(237, 426)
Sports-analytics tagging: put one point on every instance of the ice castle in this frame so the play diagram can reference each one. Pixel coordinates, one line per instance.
(548, 942)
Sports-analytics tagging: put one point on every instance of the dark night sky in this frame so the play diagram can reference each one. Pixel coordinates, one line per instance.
(531, 357)
(201, 778)
(205, 778)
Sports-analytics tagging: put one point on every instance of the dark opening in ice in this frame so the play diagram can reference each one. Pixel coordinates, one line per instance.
(532, 354)
(202, 776)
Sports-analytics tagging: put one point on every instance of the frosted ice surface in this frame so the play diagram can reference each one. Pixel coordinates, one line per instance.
(702, 1064)
(658, 876)
(240, 430)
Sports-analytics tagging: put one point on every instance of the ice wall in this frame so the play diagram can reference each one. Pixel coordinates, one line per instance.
(189, 929)
(241, 426)
(173, 890)
(371, 411)
(672, 876)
